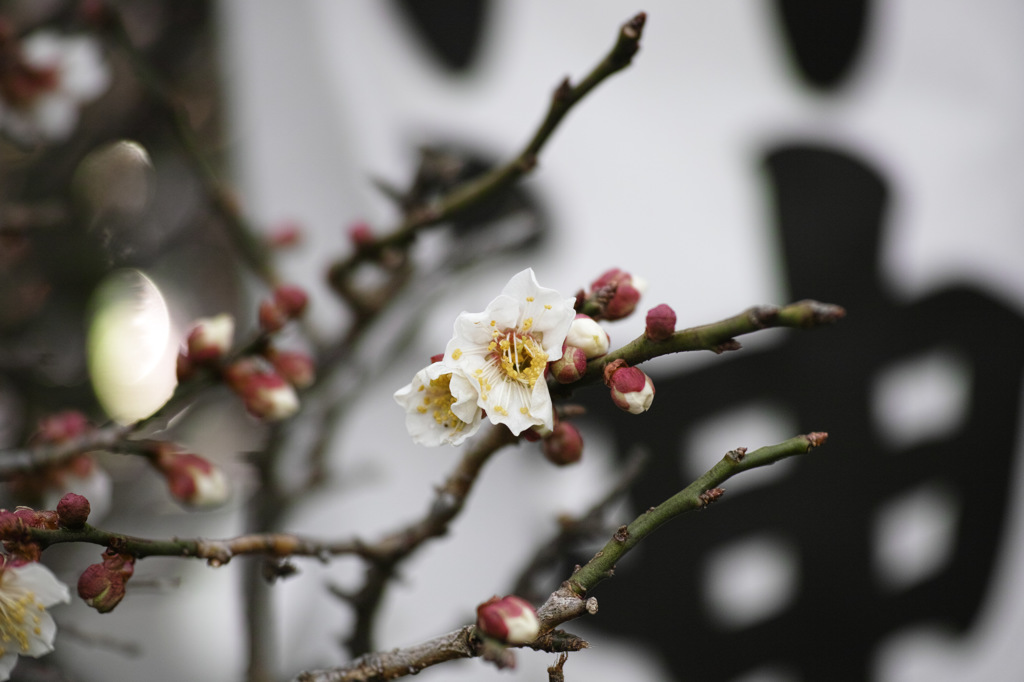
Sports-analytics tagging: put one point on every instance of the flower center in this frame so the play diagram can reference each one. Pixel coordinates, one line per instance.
(519, 356)
(14, 610)
(439, 400)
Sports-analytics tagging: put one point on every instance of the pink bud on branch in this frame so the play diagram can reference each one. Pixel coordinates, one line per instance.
(73, 511)
(571, 366)
(192, 479)
(509, 619)
(564, 445)
(631, 389)
(614, 294)
(661, 323)
(102, 586)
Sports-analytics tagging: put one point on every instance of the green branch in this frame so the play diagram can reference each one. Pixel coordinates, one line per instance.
(716, 337)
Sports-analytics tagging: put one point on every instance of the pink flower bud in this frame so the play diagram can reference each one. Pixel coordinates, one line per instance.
(571, 366)
(616, 293)
(632, 390)
(73, 511)
(61, 427)
(587, 334)
(360, 235)
(509, 619)
(564, 445)
(264, 392)
(102, 586)
(272, 317)
(291, 299)
(661, 322)
(211, 338)
(192, 479)
(297, 368)
(37, 519)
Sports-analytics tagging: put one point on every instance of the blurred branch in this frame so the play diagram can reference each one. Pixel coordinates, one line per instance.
(252, 249)
(473, 191)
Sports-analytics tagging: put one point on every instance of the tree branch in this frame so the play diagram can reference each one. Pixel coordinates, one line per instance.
(716, 337)
(473, 191)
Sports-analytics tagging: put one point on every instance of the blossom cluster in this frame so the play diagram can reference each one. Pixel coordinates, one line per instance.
(497, 363)
(494, 366)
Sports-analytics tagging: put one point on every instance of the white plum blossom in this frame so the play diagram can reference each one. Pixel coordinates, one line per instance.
(68, 71)
(26, 629)
(504, 351)
(433, 415)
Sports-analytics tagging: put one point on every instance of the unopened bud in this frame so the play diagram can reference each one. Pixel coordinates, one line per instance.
(360, 235)
(508, 619)
(564, 445)
(291, 299)
(192, 479)
(102, 586)
(296, 368)
(571, 366)
(272, 318)
(617, 292)
(661, 323)
(264, 392)
(631, 389)
(61, 427)
(587, 334)
(73, 511)
(211, 338)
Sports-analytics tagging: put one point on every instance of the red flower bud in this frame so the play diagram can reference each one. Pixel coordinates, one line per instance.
(296, 368)
(291, 299)
(509, 619)
(360, 235)
(631, 389)
(571, 366)
(564, 445)
(102, 586)
(73, 511)
(616, 294)
(61, 427)
(192, 479)
(661, 322)
(265, 393)
(272, 317)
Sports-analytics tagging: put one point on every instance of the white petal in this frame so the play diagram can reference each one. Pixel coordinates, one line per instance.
(36, 578)
(7, 663)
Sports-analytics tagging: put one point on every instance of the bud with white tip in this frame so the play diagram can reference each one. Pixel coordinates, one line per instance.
(585, 333)
(509, 619)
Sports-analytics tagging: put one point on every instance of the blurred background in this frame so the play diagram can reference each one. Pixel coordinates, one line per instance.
(865, 154)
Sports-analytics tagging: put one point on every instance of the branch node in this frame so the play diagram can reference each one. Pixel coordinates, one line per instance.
(591, 605)
(816, 438)
(622, 534)
(710, 495)
(737, 455)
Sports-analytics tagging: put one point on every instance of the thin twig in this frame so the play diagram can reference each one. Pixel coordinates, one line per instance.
(477, 189)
